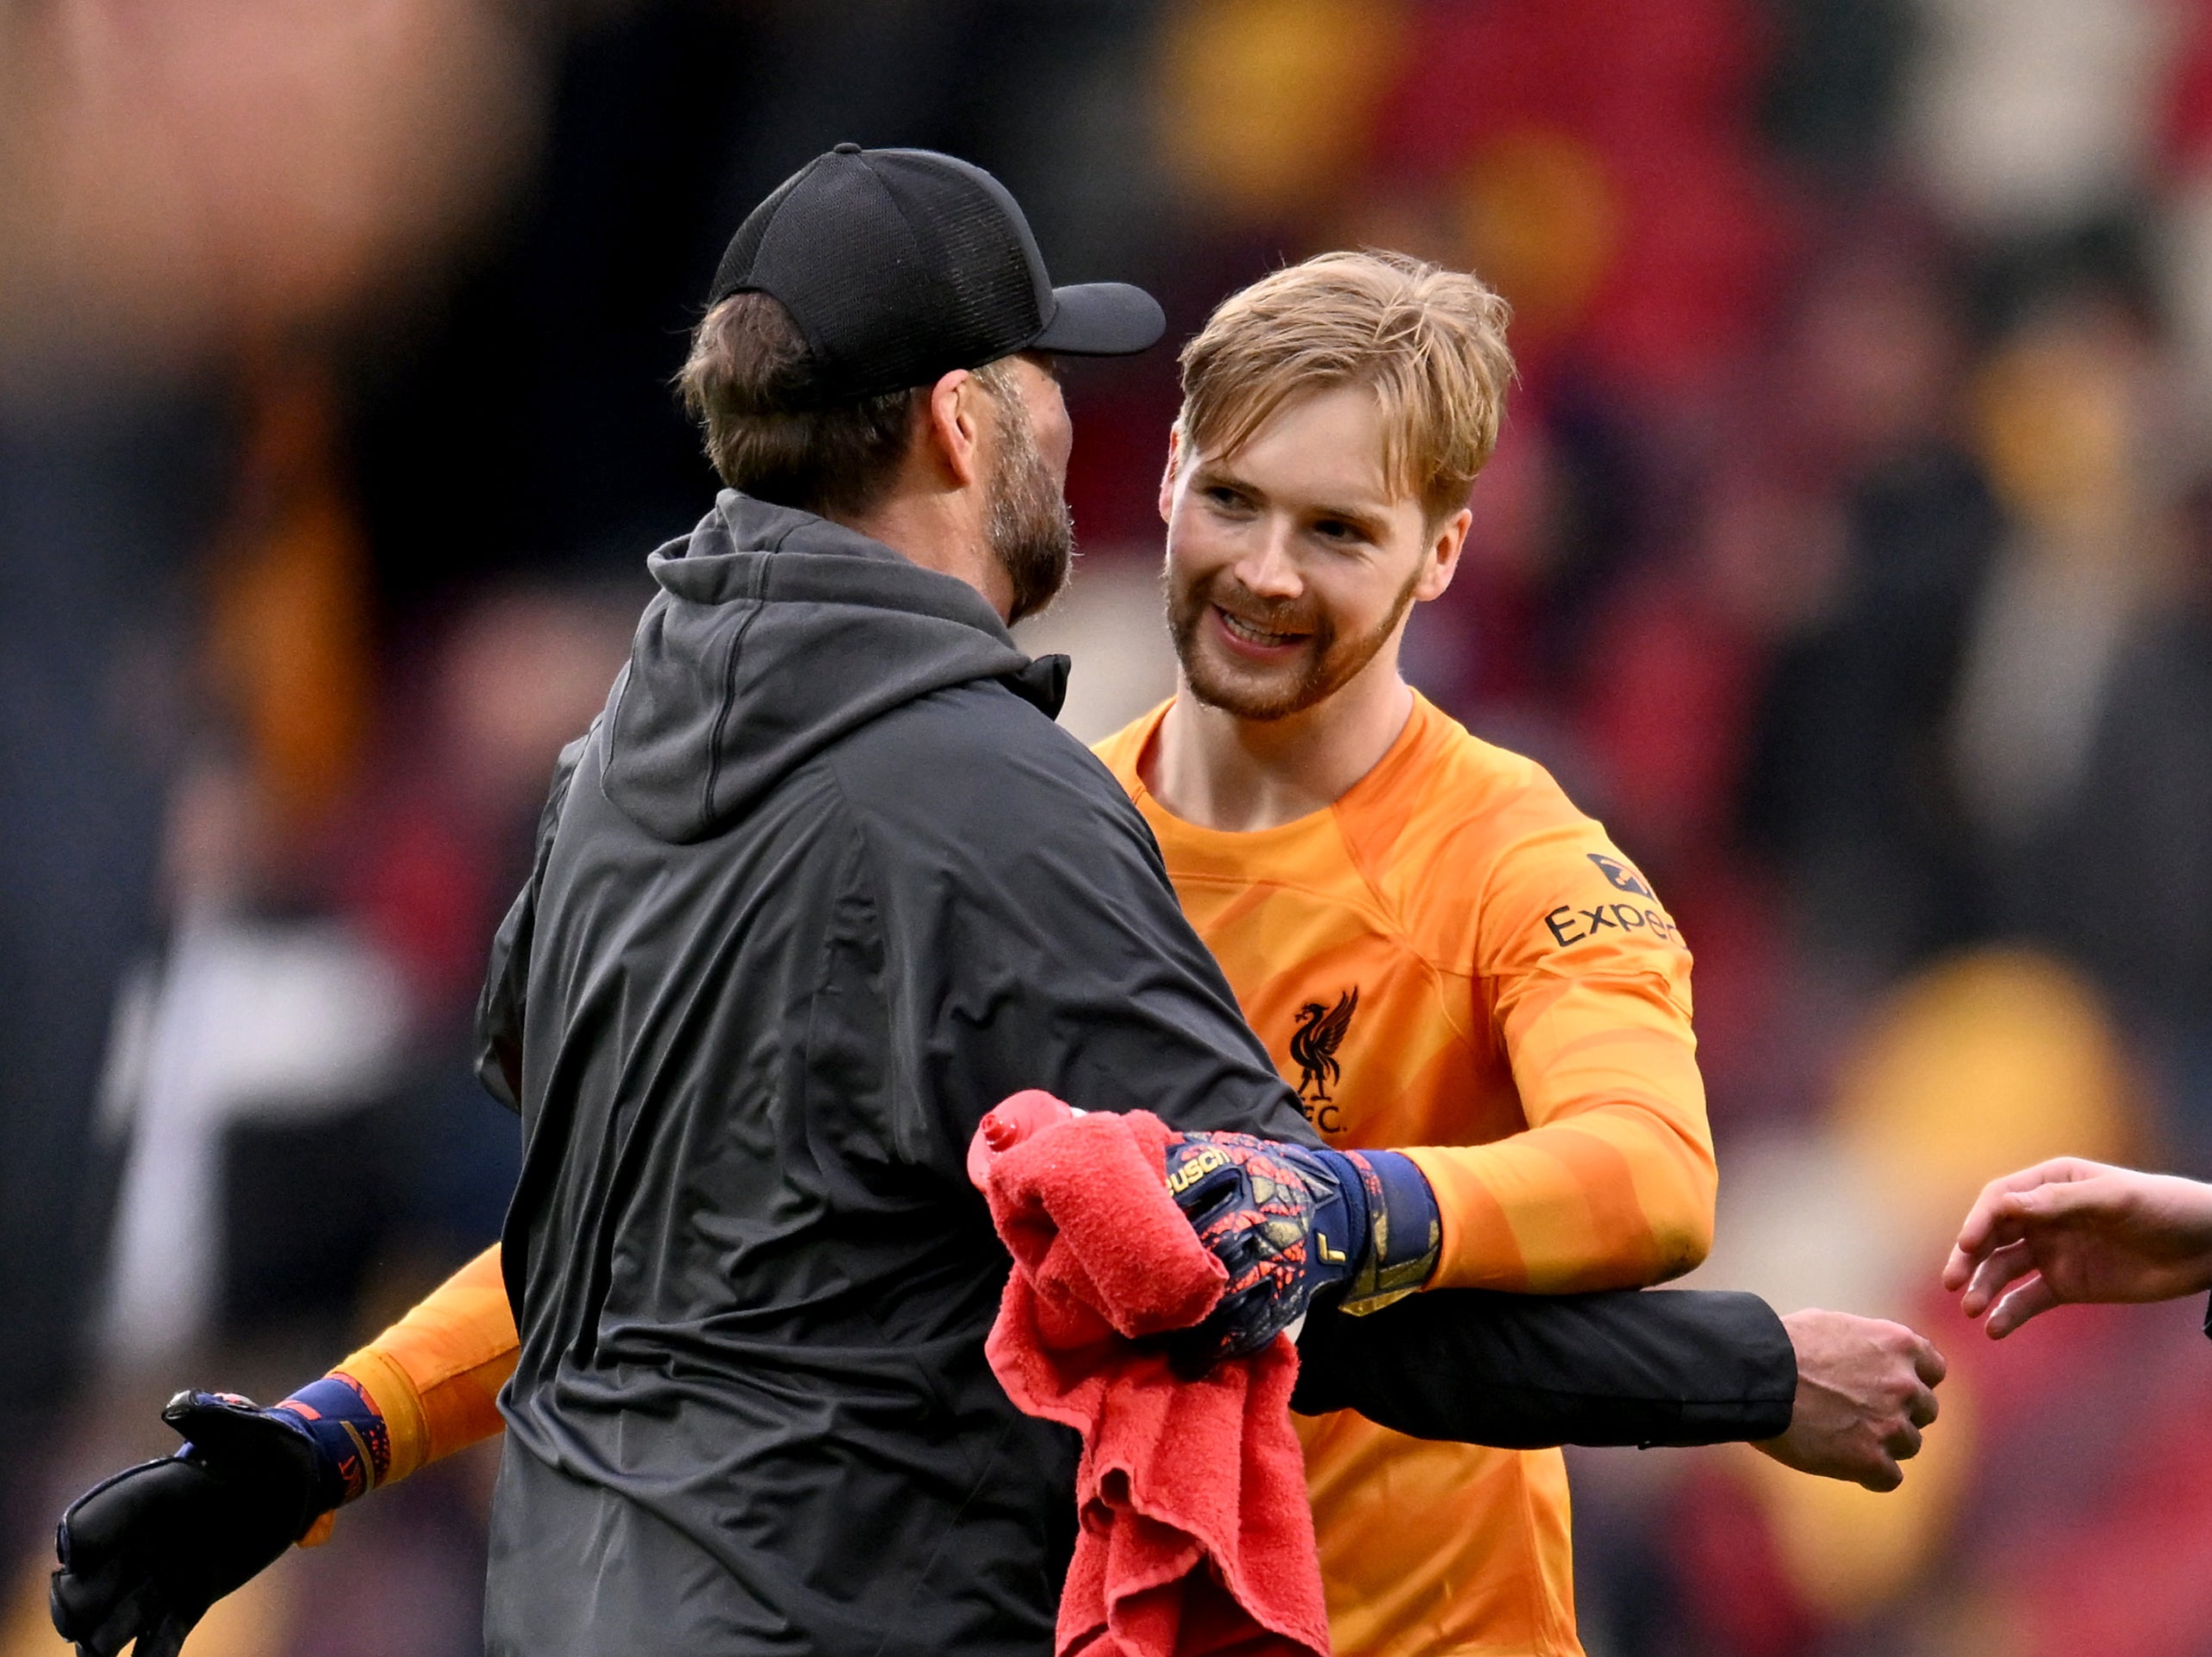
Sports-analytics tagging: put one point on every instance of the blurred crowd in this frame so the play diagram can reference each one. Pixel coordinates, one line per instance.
(1848, 552)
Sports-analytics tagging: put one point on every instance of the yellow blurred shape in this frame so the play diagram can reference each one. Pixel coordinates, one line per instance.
(1983, 1064)
(2054, 413)
(1967, 1619)
(289, 623)
(1849, 1550)
(1265, 104)
(1541, 224)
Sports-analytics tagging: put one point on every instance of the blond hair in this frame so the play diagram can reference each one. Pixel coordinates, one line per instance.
(1429, 343)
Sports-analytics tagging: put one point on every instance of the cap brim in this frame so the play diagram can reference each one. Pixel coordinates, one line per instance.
(1101, 318)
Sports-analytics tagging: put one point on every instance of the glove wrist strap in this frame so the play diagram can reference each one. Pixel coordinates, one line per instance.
(1405, 1231)
(352, 1444)
(1343, 1218)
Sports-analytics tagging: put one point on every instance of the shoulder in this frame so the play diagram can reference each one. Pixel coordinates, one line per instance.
(1497, 862)
(938, 747)
(973, 774)
(1448, 807)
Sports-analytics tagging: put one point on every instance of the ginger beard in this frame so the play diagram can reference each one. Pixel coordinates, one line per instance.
(1026, 522)
(1244, 689)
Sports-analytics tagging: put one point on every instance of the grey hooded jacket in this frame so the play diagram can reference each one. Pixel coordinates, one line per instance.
(822, 884)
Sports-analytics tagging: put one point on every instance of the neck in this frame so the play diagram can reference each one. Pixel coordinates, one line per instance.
(933, 529)
(1212, 768)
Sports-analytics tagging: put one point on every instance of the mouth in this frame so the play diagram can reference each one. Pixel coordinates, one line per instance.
(1250, 640)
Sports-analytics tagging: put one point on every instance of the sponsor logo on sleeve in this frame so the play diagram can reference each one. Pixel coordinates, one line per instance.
(1571, 923)
(1621, 877)
(1637, 914)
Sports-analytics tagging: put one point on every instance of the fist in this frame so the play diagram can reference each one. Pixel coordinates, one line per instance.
(142, 1554)
(1866, 1390)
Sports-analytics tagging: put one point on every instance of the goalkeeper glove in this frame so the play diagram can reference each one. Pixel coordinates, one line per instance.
(1293, 1226)
(145, 1553)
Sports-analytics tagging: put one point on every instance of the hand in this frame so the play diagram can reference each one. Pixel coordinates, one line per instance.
(1291, 1225)
(2073, 1230)
(1866, 1387)
(145, 1553)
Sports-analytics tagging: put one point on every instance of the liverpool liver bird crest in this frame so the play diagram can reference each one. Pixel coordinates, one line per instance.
(1320, 1033)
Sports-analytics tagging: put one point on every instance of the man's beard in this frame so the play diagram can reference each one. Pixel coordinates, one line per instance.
(1026, 523)
(1328, 664)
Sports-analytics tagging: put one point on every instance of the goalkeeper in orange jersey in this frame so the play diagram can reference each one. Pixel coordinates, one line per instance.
(1439, 952)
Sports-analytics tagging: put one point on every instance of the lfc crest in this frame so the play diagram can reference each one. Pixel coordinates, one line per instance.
(1320, 1033)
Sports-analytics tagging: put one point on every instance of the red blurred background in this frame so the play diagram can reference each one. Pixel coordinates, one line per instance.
(1848, 552)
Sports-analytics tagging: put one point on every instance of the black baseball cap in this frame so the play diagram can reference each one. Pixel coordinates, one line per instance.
(900, 265)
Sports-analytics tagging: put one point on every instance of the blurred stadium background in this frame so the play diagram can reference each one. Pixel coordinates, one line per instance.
(1849, 552)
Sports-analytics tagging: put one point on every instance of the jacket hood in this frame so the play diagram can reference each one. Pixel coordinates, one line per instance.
(775, 633)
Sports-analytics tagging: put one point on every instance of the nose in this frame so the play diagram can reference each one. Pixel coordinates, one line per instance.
(1266, 570)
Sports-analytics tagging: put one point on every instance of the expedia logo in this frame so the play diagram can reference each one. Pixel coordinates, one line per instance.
(1571, 926)
(1188, 1174)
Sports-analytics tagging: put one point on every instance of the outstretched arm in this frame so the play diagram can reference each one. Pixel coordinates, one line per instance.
(2071, 1230)
(1823, 1392)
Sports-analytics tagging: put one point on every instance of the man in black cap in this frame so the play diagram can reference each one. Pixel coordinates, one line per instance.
(826, 884)
(822, 884)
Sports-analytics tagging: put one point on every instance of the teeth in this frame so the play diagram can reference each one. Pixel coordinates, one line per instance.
(1246, 631)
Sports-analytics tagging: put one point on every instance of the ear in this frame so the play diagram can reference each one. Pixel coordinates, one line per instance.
(1442, 556)
(954, 423)
(1167, 477)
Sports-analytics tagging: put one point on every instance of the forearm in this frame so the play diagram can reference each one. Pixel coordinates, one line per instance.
(1522, 1372)
(435, 1374)
(1613, 1197)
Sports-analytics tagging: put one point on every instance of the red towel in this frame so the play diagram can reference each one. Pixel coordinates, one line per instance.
(1196, 1537)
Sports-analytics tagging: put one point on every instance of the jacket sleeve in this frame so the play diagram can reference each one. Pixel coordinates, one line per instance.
(1525, 1372)
(1031, 939)
(499, 1008)
(1585, 982)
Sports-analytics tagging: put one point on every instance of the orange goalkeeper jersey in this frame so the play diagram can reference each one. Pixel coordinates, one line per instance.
(1455, 960)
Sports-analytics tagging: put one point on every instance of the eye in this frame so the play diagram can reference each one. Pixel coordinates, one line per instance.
(1336, 529)
(1222, 495)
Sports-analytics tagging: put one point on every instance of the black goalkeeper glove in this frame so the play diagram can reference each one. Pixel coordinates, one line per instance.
(145, 1553)
(1294, 1227)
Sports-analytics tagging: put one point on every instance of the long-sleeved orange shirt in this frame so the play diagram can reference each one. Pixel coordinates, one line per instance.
(1451, 960)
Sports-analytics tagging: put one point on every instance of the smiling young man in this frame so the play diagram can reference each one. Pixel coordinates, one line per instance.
(1438, 948)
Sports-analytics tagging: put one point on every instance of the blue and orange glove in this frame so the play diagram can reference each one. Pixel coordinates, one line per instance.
(1295, 1228)
(145, 1553)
